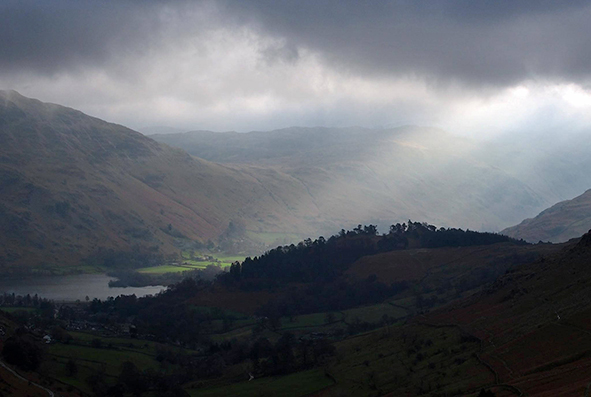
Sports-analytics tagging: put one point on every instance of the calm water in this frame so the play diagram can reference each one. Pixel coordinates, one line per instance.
(70, 288)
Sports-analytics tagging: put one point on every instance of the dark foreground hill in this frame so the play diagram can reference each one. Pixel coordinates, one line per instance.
(561, 222)
(533, 323)
(418, 311)
(525, 334)
(72, 185)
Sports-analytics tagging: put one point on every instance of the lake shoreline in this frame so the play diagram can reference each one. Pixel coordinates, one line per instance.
(71, 288)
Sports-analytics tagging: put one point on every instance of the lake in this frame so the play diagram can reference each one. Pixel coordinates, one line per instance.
(71, 288)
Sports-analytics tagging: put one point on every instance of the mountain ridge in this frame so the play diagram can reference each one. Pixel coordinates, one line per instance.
(559, 223)
(387, 175)
(72, 184)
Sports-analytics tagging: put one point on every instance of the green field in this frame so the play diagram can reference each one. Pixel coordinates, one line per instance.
(168, 269)
(107, 359)
(218, 259)
(373, 314)
(142, 346)
(236, 333)
(18, 309)
(294, 385)
(370, 314)
(110, 357)
(115, 351)
(411, 359)
(307, 321)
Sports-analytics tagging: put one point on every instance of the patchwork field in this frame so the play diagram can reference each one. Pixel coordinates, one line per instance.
(294, 385)
(94, 355)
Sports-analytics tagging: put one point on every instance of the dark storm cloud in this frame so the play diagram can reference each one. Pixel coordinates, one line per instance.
(46, 36)
(263, 64)
(478, 42)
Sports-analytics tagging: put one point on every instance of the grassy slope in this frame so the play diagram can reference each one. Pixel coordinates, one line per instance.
(294, 385)
(71, 183)
(108, 358)
(10, 385)
(504, 338)
(561, 222)
(507, 338)
(444, 264)
(534, 323)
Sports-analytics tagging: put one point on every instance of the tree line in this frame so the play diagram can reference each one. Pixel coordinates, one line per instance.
(325, 260)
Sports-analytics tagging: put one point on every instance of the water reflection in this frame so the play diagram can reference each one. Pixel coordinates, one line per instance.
(71, 288)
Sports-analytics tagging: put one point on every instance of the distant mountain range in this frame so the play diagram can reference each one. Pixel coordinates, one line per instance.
(160, 129)
(72, 185)
(385, 175)
(559, 223)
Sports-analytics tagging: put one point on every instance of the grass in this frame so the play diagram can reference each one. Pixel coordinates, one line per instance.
(18, 309)
(111, 358)
(307, 321)
(56, 368)
(142, 353)
(402, 358)
(143, 346)
(218, 259)
(294, 385)
(236, 333)
(167, 269)
(373, 314)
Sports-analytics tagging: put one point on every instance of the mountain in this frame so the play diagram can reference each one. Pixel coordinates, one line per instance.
(527, 333)
(533, 323)
(72, 185)
(381, 175)
(561, 222)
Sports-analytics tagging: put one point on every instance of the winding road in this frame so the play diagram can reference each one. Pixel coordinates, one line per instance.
(26, 380)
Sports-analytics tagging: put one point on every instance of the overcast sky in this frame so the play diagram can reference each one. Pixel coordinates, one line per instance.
(470, 67)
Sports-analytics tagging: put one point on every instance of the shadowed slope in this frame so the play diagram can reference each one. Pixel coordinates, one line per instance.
(71, 184)
(534, 323)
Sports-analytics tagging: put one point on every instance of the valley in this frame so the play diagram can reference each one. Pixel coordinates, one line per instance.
(212, 288)
(77, 190)
(448, 312)
(295, 198)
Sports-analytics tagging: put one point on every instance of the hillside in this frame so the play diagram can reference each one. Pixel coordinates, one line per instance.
(419, 311)
(71, 185)
(384, 176)
(525, 334)
(534, 323)
(508, 318)
(561, 222)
